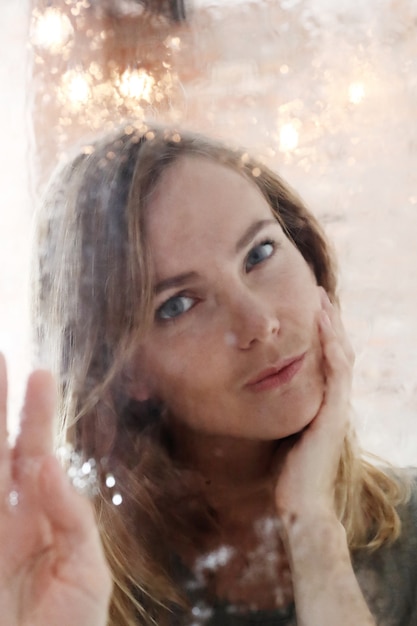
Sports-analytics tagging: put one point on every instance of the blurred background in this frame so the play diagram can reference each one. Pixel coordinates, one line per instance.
(324, 92)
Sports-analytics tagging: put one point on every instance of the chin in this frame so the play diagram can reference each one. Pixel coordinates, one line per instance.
(306, 412)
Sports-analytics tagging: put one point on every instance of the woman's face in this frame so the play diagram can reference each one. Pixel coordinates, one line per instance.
(234, 349)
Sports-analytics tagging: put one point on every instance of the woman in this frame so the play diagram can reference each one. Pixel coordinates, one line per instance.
(185, 294)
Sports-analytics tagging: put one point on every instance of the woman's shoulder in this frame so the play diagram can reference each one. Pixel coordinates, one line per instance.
(406, 477)
(388, 575)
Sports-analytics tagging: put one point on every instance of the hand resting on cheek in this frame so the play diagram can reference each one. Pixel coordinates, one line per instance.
(314, 538)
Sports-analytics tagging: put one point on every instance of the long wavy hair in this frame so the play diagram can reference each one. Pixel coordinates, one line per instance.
(93, 302)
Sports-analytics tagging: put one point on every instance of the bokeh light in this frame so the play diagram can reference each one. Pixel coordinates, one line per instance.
(136, 84)
(356, 93)
(76, 88)
(288, 137)
(51, 30)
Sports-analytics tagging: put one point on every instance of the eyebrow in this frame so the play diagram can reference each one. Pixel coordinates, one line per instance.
(175, 281)
(181, 279)
(252, 231)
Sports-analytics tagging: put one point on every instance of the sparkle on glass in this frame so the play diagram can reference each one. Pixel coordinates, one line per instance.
(110, 480)
(13, 498)
(86, 468)
(82, 473)
(173, 42)
(117, 499)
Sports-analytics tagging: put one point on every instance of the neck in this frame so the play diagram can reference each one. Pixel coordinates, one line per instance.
(234, 470)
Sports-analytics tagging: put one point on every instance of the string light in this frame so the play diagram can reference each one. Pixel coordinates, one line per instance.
(75, 87)
(51, 30)
(288, 137)
(136, 84)
(356, 93)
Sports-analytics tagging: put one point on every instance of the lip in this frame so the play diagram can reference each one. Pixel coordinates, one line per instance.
(278, 375)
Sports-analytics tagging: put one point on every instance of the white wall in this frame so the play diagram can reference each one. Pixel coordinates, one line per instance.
(15, 208)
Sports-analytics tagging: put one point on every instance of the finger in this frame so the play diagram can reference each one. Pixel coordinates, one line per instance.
(338, 371)
(332, 311)
(36, 428)
(80, 559)
(3, 401)
(4, 447)
(69, 513)
(337, 323)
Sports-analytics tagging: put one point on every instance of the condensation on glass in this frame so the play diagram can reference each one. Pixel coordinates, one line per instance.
(324, 92)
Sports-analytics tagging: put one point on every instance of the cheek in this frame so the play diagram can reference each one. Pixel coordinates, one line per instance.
(310, 305)
(179, 368)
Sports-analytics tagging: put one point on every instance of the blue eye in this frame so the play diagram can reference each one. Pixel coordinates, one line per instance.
(259, 253)
(174, 307)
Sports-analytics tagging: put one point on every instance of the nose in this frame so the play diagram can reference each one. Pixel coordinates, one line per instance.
(251, 320)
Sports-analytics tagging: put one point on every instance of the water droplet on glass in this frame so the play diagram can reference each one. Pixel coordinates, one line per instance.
(110, 480)
(13, 498)
(230, 339)
(117, 499)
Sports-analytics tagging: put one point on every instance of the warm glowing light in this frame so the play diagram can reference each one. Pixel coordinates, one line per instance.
(356, 93)
(51, 30)
(173, 42)
(136, 84)
(288, 137)
(76, 87)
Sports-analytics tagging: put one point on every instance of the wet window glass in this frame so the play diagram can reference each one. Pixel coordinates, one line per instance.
(151, 348)
(325, 94)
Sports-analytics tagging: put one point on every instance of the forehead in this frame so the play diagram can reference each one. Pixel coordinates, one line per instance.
(201, 206)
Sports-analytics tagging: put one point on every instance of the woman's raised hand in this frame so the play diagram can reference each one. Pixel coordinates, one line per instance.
(326, 591)
(52, 567)
(308, 466)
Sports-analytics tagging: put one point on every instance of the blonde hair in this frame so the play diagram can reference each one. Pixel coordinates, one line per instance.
(93, 300)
